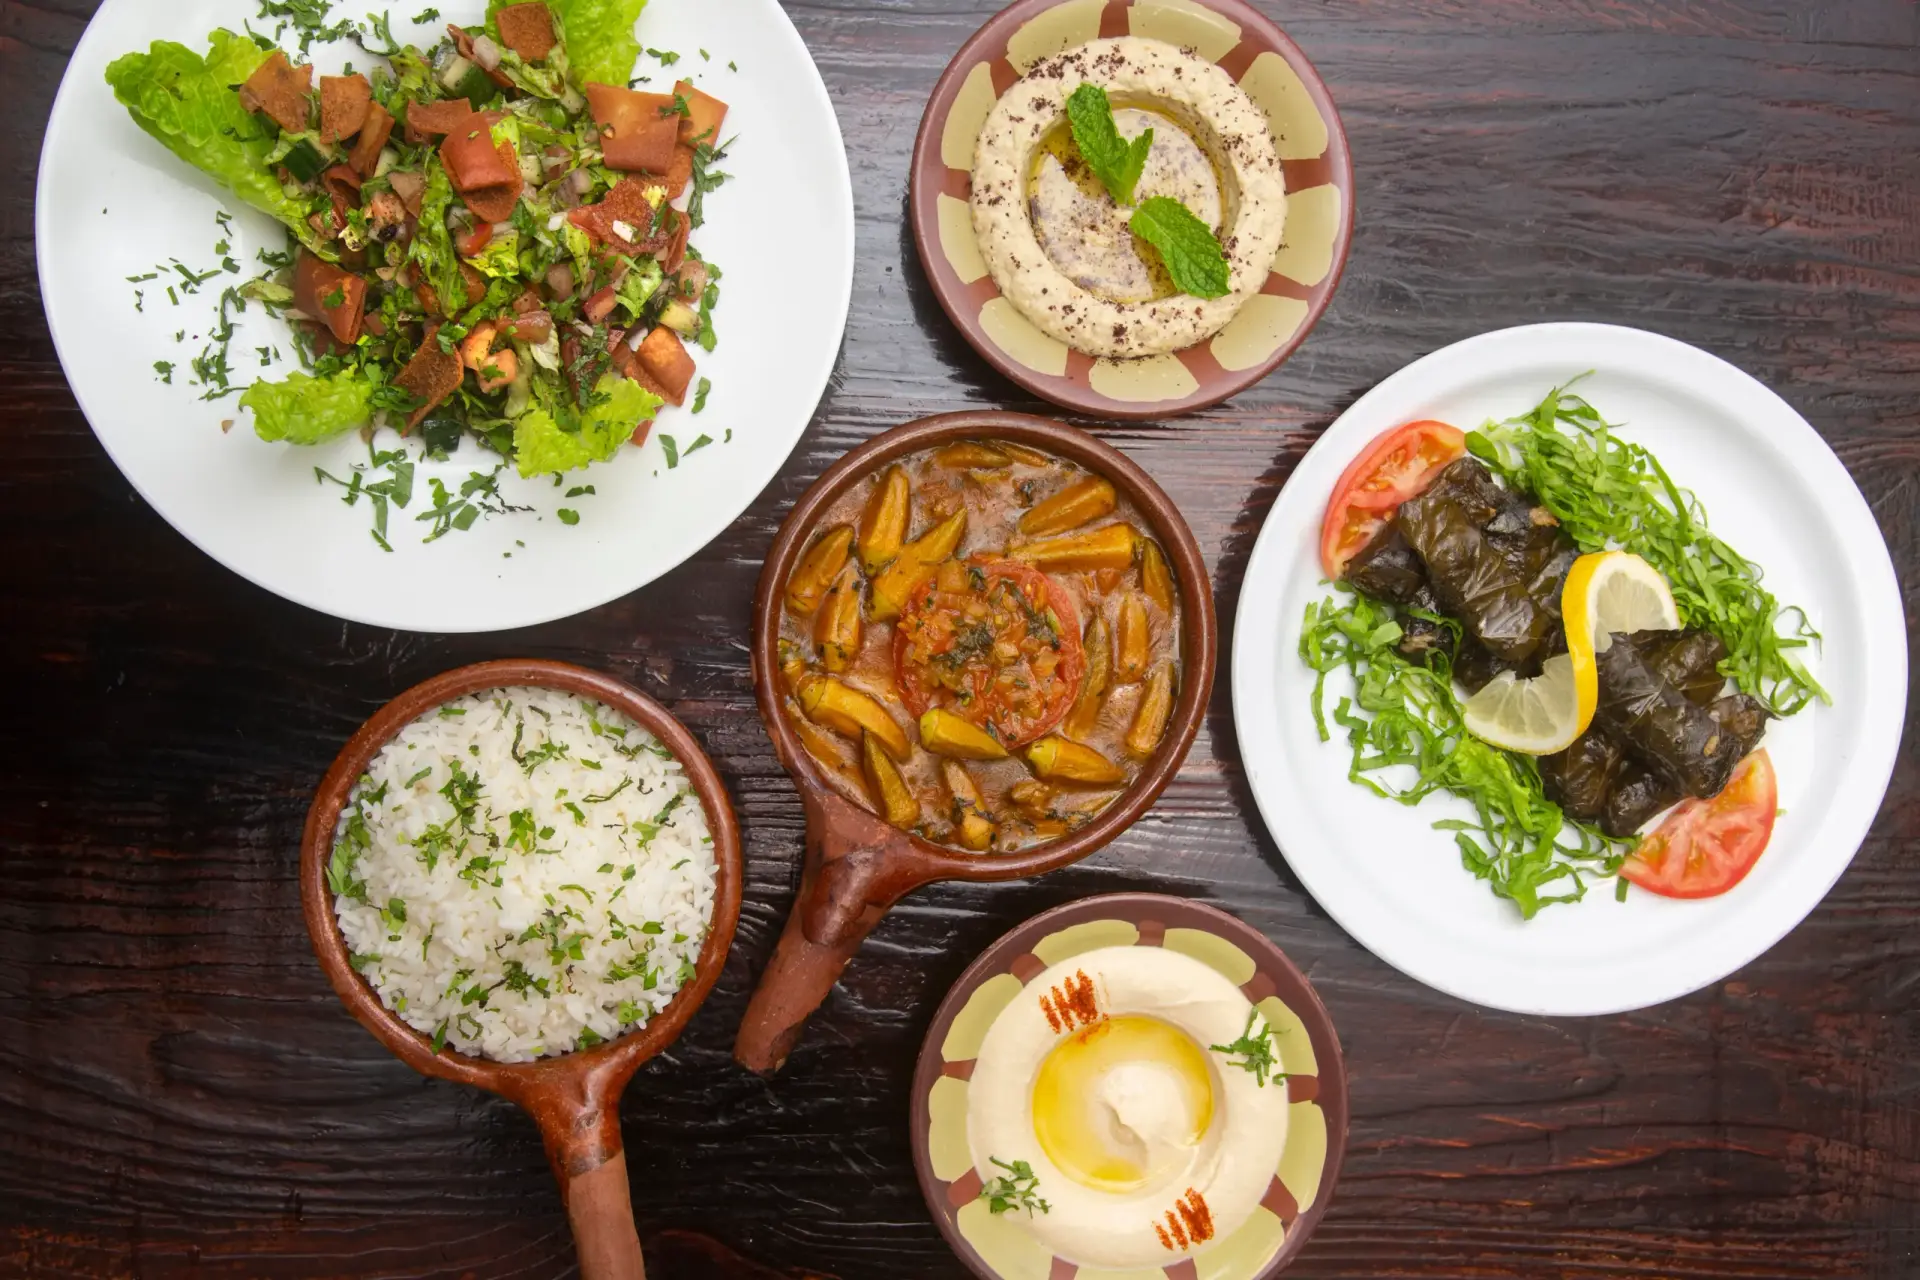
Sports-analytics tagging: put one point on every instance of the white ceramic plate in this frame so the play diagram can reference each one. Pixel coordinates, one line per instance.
(113, 202)
(1772, 489)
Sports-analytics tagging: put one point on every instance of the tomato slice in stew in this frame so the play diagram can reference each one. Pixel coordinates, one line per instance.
(1398, 465)
(1705, 847)
(995, 642)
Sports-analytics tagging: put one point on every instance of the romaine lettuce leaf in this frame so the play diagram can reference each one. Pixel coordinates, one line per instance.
(433, 249)
(501, 258)
(188, 103)
(601, 47)
(307, 410)
(542, 447)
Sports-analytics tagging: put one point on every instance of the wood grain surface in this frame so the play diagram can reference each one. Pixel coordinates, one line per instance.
(181, 1094)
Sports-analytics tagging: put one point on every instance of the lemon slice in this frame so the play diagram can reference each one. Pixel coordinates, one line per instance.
(1607, 593)
(1615, 593)
(1535, 717)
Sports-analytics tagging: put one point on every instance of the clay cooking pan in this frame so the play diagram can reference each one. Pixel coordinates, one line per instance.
(574, 1098)
(858, 866)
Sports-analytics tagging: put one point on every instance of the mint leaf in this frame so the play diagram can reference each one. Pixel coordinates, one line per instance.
(1185, 244)
(1114, 160)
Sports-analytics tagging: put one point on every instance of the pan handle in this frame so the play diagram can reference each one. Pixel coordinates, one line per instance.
(579, 1119)
(600, 1209)
(857, 868)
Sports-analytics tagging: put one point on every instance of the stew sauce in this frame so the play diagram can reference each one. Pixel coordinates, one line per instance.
(981, 644)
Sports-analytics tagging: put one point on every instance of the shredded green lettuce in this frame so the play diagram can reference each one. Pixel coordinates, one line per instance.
(1607, 493)
(307, 410)
(640, 285)
(1405, 715)
(433, 250)
(188, 104)
(541, 446)
(501, 258)
(599, 38)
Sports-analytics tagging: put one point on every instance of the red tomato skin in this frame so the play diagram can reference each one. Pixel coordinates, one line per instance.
(1746, 807)
(1350, 492)
(476, 240)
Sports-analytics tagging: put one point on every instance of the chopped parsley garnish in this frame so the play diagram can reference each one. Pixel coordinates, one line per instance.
(165, 369)
(1255, 1052)
(666, 56)
(568, 516)
(700, 392)
(670, 447)
(1015, 1189)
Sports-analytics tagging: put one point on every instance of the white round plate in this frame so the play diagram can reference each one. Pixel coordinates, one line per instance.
(113, 203)
(1773, 490)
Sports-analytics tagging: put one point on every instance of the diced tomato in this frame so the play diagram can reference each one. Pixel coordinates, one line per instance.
(705, 115)
(600, 305)
(334, 297)
(345, 102)
(373, 138)
(1398, 465)
(976, 640)
(1705, 847)
(638, 130)
(663, 355)
(527, 29)
(476, 240)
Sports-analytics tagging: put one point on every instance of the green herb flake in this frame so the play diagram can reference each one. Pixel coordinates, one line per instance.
(1255, 1052)
(1014, 1189)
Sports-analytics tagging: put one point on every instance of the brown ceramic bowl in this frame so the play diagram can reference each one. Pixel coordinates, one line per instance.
(857, 866)
(1309, 1052)
(574, 1098)
(1313, 152)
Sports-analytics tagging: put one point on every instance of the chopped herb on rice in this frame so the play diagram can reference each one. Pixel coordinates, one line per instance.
(478, 865)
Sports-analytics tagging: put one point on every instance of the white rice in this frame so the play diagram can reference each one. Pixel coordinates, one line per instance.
(560, 911)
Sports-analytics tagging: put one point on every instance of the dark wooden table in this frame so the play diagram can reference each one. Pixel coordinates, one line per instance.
(181, 1094)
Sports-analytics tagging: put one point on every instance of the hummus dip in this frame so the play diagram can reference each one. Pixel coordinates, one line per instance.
(1059, 246)
(1146, 1144)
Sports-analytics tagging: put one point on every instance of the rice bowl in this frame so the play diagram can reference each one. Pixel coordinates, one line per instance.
(523, 872)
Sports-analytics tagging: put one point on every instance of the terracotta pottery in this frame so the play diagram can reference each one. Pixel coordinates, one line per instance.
(1309, 1052)
(857, 866)
(574, 1098)
(1306, 271)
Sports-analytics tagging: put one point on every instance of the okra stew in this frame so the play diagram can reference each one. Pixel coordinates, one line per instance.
(981, 643)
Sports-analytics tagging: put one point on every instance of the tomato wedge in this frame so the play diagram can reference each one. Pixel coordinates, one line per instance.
(1705, 847)
(1398, 465)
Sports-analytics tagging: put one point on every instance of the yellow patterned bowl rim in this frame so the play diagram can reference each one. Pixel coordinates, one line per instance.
(1306, 271)
(999, 1248)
